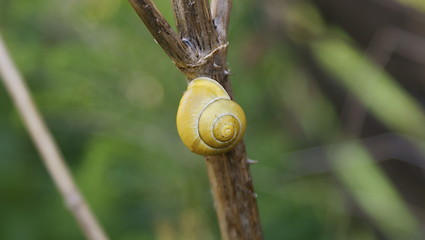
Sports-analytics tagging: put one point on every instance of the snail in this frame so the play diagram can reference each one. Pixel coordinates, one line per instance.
(208, 121)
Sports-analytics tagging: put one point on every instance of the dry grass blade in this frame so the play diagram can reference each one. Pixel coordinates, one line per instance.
(47, 147)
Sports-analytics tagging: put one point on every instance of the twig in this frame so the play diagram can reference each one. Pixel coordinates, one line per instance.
(47, 148)
(231, 183)
(175, 48)
(194, 20)
(221, 15)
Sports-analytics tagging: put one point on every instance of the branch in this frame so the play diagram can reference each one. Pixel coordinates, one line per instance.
(234, 195)
(194, 23)
(221, 15)
(47, 148)
(173, 46)
(231, 184)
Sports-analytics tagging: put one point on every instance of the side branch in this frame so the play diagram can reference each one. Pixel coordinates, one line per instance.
(194, 22)
(220, 10)
(164, 35)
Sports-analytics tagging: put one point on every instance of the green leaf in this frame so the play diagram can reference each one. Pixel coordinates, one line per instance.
(376, 89)
(373, 191)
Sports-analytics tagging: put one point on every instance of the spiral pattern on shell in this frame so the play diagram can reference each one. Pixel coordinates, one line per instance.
(208, 121)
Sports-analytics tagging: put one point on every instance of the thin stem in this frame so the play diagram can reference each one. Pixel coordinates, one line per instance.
(220, 10)
(164, 35)
(234, 195)
(194, 22)
(47, 147)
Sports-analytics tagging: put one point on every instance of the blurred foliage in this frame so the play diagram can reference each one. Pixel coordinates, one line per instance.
(109, 95)
(387, 100)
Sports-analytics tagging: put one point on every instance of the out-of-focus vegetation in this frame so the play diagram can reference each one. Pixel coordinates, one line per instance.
(339, 139)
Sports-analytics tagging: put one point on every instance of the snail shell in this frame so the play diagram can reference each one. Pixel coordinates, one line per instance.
(208, 121)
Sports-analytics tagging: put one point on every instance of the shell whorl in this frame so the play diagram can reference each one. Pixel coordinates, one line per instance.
(208, 121)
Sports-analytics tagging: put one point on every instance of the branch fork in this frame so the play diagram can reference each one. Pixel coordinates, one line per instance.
(199, 49)
(202, 32)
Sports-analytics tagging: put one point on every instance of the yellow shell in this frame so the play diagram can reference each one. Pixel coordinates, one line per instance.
(208, 121)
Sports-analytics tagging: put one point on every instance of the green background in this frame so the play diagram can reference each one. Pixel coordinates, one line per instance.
(109, 94)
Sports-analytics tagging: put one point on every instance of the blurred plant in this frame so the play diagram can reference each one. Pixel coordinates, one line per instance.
(301, 72)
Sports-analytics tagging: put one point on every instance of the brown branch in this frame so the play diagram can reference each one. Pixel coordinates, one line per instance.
(47, 148)
(231, 183)
(181, 21)
(173, 46)
(194, 22)
(221, 15)
(234, 195)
